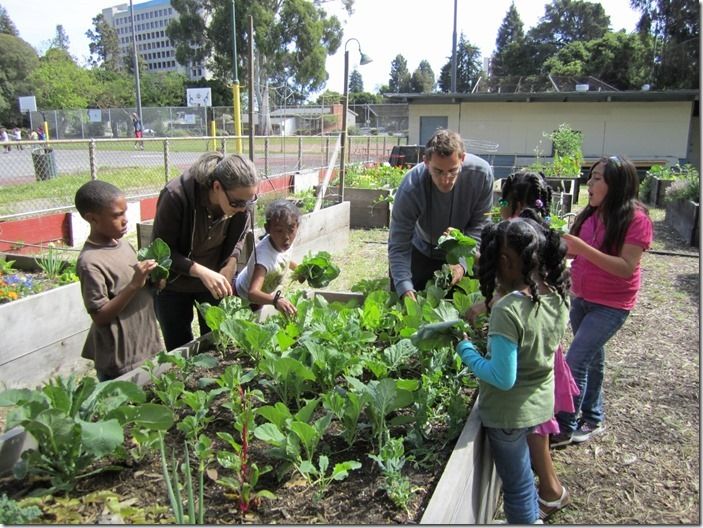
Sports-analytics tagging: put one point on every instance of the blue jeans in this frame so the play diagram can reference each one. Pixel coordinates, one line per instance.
(174, 310)
(511, 455)
(593, 325)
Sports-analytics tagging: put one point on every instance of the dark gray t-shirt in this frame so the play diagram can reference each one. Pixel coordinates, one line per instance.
(421, 213)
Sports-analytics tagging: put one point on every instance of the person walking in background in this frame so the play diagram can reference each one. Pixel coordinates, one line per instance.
(607, 241)
(124, 332)
(40, 133)
(33, 136)
(450, 189)
(259, 281)
(138, 131)
(17, 136)
(203, 216)
(5, 139)
(527, 261)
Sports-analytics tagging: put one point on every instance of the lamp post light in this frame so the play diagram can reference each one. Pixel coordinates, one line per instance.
(365, 59)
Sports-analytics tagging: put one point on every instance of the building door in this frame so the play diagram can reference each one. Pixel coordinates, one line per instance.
(429, 125)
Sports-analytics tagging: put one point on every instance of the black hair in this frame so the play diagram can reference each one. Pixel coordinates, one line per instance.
(282, 211)
(94, 196)
(619, 205)
(540, 249)
(527, 187)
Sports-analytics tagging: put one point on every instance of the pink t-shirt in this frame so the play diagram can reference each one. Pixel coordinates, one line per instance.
(593, 284)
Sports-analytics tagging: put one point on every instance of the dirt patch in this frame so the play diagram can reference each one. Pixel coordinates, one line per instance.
(645, 469)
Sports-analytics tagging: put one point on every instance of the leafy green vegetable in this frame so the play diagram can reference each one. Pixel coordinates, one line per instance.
(159, 251)
(436, 335)
(456, 246)
(318, 270)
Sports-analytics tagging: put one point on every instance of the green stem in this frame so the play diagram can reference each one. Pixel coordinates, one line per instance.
(167, 479)
(189, 486)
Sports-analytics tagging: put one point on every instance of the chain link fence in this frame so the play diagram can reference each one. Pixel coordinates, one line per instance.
(41, 176)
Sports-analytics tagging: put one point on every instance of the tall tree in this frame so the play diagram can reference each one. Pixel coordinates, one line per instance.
(7, 26)
(17, 60)
(356, 82)
(423, 79)
(399, 81)
(675, 26)
(619, 59)
(510, 32)
(60, 83)
(104, 45)
(468, 68)
(292, 41)
(61, 40)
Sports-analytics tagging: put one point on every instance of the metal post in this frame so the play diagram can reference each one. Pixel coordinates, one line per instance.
(345, 106)
(453, 83)
(236, 110)
(91, 160)
(166, 160)
(136, 64)
(251, 88)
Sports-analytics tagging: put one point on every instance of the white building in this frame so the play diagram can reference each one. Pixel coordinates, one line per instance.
(153, 45)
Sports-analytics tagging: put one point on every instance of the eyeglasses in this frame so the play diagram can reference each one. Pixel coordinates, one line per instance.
(238, 203)
(439, 173)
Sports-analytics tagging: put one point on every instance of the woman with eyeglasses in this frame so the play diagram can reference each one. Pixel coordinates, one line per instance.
(203, 216)
(606, 240)
(450, 189)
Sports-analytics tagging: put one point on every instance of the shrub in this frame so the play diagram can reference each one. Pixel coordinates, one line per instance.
(686, 184)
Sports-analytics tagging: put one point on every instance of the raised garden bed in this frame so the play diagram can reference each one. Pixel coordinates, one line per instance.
(683, 216)
(465, 493)
(42, 334)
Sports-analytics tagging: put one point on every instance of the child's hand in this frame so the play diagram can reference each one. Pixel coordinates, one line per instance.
(160, 285)
(141, 272)
(474, 312)
(286, 307)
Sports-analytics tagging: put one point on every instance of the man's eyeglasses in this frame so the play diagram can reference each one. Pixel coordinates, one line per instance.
(439, 173)
(238, 203)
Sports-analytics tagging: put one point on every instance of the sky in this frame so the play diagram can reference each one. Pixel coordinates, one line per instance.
(417, 29)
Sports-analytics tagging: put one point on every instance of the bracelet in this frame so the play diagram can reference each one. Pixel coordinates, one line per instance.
(275, 298)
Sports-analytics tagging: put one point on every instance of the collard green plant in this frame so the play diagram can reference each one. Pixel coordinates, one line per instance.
(159, 251)
(318, 270)
(391, 459)
(76, 424)
(458, 247)
(436, 335)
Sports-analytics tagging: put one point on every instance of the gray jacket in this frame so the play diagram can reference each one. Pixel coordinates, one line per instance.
(421, 213)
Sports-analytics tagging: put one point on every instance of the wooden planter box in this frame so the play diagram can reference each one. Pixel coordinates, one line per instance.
(323, 230)
(467, 492)
(657, 192)
(567, 185)
(369, 207)
(43, 334)
(683, 216)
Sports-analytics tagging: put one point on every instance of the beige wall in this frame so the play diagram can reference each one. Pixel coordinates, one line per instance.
(657, 130)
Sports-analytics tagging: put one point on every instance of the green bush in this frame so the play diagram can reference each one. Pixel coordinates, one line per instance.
(378, 177)
(687, 183)
(568, 154)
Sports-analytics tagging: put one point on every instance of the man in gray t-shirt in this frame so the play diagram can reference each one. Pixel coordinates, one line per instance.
(450, 189)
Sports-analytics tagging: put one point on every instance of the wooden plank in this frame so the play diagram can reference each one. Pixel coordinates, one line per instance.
(467, 490)
(369, 207)
(59, 312)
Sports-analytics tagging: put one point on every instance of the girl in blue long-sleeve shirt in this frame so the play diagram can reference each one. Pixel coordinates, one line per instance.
(516, 376)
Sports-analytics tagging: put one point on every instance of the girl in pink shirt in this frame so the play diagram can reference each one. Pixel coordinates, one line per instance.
(607, 241)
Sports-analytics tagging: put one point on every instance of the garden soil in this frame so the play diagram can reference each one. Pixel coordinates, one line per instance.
(643, 470)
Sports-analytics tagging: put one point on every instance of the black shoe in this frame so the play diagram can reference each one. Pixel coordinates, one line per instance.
(561, 439)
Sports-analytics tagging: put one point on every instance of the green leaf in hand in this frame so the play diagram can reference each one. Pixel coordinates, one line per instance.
(159, 251)
(318, 270)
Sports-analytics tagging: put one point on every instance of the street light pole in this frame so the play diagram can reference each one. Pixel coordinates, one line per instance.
(365, 59)
(136, 64)
(236, 110)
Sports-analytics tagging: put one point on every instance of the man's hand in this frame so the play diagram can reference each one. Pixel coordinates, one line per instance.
(457, 273)
(410, 294)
